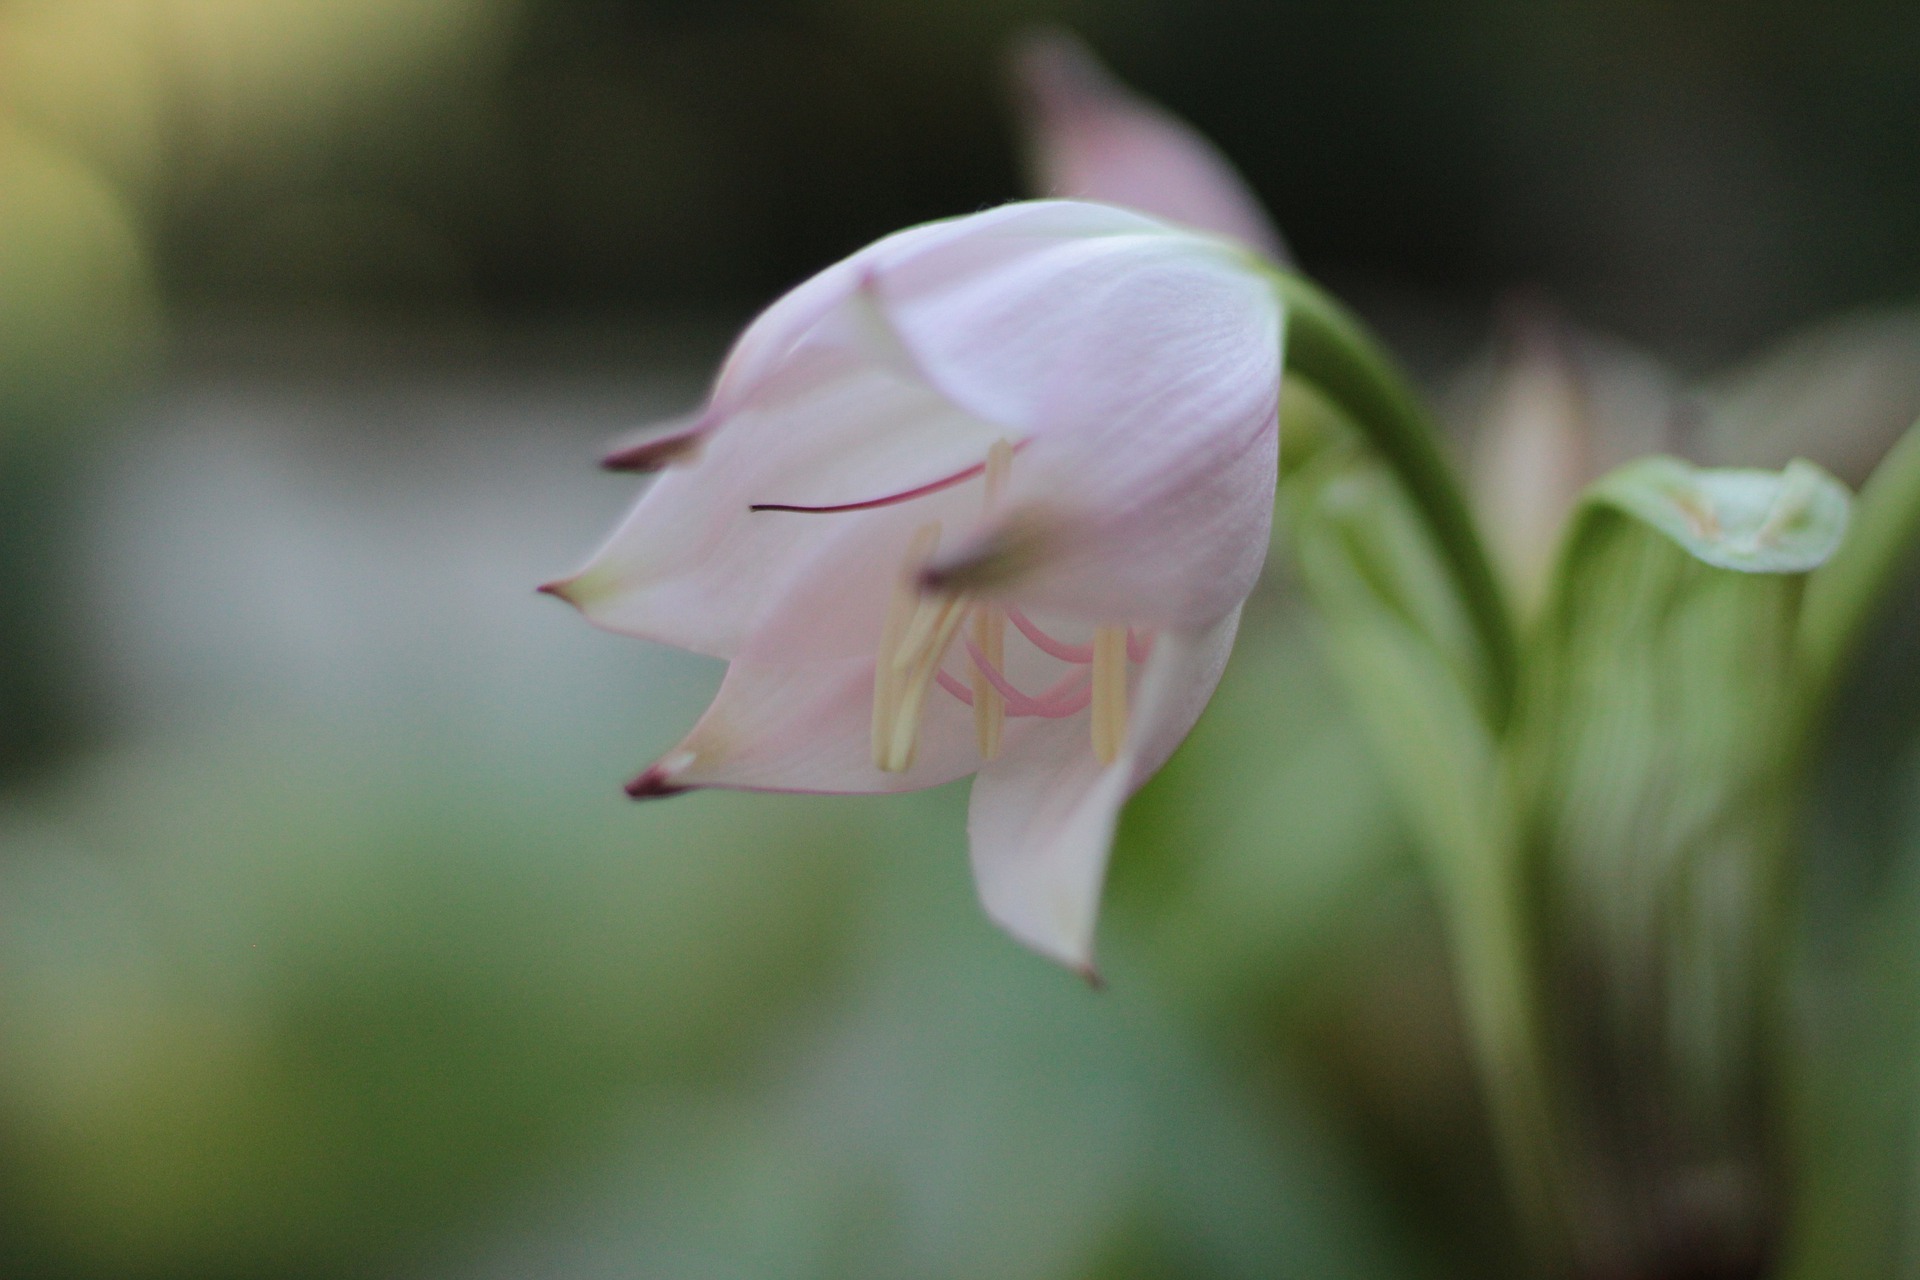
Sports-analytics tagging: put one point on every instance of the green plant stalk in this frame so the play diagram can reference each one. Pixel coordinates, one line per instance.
(1463, 822)
(1328, 345)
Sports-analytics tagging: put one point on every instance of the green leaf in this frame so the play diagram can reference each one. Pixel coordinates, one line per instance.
(1788, 521)
(1653, 766)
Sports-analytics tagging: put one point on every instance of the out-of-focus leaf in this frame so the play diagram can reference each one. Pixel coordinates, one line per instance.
(1785, 522)
(1653, 773)
(919, 1126)
(272, 1006)
(1265, 833)
(1859, 1124)
(1396, 635)
(1844, 594)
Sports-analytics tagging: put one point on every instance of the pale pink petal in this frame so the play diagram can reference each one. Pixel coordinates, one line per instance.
(1143, 374)
(1180, 550)
(794, 712)
(1140, 374)
(694, 566)
(845, 413)
(1111, 535)
(974, 242)
(1042, 816)
(1092, 139)
(789, 727)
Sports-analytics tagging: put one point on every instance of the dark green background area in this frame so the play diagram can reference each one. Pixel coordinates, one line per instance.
(1694, 174)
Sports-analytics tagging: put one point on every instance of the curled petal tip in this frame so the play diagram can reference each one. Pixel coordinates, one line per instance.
(655, 784)
(658, 447)
(557, 589)
(1090, 975)
(1054, 67)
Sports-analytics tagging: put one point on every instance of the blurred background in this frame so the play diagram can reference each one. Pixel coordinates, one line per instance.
(328, 944)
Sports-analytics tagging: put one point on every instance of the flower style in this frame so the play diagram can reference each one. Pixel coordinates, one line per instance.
(985, 497)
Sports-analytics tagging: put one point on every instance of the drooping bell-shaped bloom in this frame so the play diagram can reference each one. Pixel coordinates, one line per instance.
(985, 498)
(1091, 138)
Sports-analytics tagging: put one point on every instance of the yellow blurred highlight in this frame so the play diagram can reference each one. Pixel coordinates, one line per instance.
(163, 91)
(78, 310)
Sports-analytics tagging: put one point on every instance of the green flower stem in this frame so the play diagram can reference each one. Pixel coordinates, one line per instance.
(1444, 762)
(1329, 346)
(1844, 594)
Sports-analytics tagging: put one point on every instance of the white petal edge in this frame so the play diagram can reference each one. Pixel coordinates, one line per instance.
(1042, 817)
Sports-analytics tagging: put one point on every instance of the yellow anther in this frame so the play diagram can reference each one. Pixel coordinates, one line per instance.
(902, 612)
(903, 737)
(919, 629)
(1109, 693)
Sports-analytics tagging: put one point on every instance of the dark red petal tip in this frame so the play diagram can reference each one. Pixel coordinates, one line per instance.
(1091, 976)
(658, 448)
(653, 785)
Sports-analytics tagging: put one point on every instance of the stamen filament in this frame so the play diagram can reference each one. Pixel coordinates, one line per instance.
(1109, 693)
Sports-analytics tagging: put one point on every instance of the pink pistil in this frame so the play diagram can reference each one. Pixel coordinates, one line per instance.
(1079, 653)
(1064, 699)
(953, 687)
(1067, 695)
(891, 499)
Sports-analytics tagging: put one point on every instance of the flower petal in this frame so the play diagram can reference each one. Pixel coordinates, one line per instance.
(1042, 815)
(1143, 374)
(786, 727)
(694, 566)
(1092, 139)
(968, 243)
(845, 412)
(1180, 550)
(794, 712)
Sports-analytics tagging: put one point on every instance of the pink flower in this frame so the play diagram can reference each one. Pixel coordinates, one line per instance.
(1090, 138)
(985, 498)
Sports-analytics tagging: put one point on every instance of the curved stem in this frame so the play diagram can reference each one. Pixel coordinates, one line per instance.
(1328, 345)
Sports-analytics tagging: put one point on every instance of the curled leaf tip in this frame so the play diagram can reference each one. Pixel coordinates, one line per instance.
(1788, 521)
